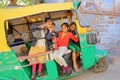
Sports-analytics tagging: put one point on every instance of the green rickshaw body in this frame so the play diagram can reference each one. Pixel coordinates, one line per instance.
(90, 55)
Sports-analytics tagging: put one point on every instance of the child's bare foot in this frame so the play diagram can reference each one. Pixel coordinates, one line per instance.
(76, 69)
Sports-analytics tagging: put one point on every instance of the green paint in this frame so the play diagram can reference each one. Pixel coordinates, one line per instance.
(28, 45)
(51, 70)
(7, 68)
(76, 4)
(87, 52)
(99, 54)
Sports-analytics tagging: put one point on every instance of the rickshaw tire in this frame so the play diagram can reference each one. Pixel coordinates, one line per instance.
(100, 66)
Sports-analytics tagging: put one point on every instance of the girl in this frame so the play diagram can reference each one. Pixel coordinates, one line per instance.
(74, 47)
(34, 60)
(51, 37)
(63, 41)
(37, 47)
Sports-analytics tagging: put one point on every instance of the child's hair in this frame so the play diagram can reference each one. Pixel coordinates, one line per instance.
(47, 19)
(53, 23)
(65, 24)
(73, 23)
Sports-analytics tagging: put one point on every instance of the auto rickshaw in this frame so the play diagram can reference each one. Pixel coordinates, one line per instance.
(17, 21)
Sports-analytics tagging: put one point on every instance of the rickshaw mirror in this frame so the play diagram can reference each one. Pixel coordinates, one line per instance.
(89, 29)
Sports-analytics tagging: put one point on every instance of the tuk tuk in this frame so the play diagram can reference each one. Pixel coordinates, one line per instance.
(15, 22)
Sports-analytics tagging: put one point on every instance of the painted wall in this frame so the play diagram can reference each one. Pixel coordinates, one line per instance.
(109, 31)
(108, 27)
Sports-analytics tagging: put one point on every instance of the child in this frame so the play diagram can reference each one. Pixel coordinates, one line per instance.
(63, 41)
(47, 25)
(51, 37)
(37, 47)
(74, 47)
(34, 60)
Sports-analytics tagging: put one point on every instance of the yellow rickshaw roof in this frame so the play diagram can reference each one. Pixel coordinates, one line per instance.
(11, 13)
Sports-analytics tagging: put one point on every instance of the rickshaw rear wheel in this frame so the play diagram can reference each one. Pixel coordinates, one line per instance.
(100, 66)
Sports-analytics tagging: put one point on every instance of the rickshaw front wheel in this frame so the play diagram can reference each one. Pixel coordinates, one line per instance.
(100, 66)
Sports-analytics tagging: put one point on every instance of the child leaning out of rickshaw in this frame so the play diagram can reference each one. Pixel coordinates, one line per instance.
(62, 42)
(37, 59)
(38, 46)
(74, 47)
(51, 37)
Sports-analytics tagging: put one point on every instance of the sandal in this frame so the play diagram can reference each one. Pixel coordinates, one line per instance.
(40, 74)
(76, 69)
(33, 77)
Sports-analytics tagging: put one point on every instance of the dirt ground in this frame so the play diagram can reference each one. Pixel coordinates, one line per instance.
(112, 73)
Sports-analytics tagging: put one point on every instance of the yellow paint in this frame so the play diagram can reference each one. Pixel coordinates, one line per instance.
(39, 19)
(11, 13)
(30, 10)
(3, 44)
(33, 20)
(6, 25)
(79, 28)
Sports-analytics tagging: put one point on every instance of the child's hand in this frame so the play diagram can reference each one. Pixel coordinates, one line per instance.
(51, 30)
(76, 36)
(42, 26)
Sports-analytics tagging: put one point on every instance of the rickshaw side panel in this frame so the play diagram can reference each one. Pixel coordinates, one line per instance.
(87, 52)
(100, 54)
(8, 62)
(52, 70)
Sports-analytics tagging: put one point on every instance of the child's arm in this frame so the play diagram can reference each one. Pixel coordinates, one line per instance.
(33, 27)
(49, 35)
(73, 37)
(58, 39)
(42, 26)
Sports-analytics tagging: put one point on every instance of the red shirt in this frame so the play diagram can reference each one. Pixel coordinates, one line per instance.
(65, 40)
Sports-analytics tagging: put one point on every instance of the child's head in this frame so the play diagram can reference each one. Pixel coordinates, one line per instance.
(72, 26)
(65, 27)
(48, 23)
(53, 26)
